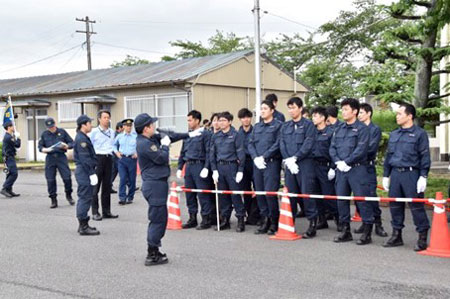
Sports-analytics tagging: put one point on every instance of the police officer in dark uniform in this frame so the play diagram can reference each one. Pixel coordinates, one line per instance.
(195, 157)
(251, 205)
(264, 147)
(153, 158)
(348, 151)
(227, 158)
(55, 142)
(11, 142)
(365, 116)
(276, 114)
(296, 142)
(115, 166)
(85, 161)
(324, 169)
(332, 120)
(407, 164)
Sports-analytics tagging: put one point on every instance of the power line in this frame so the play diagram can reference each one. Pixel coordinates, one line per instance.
(40, 60)
(134, 49)
(289, 20)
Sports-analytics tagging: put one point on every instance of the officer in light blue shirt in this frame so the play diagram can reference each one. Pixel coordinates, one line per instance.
(125, 150)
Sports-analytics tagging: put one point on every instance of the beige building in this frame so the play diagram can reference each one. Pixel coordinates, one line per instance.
(167, 90)
(443, 131)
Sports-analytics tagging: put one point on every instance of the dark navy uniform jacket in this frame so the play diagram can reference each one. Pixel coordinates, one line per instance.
(48, 139)
(278, 115)
(196, 148)
(265, 140)
(374, 141)
(297, 139)
(408, 148)
(321, 149)
(350, 143)
(336, 125)
(246, 136)
(84, 157)
(227, 147)
(9, 146)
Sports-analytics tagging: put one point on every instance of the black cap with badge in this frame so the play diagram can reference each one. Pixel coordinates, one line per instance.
(143, 120)
(49, 122)
(83, 119)
(127, 122)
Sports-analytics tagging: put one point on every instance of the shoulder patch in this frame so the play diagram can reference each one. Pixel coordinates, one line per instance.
(83, 144)
(154, 148)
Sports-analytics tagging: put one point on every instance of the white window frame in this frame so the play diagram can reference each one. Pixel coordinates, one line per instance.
(71, 119)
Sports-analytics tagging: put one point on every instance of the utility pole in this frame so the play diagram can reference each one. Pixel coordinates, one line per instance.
(256, 11)
(88, 38)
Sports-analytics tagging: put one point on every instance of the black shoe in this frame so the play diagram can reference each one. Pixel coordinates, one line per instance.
(312, 229)
(338, 224)
(379, 230)
(366, 237)
(155, 257)
(273, 228)
(264, 227)
(110, 216)
(421, 242)
(360, 229)
(5, 193)
(241, 225)
(129, 202)
(54, 203)
(122, 203)
(192, 222)
(224, 223)
(97, 217)
(329, 216)
(322, 223)
(345, 235)
(113, 191)
(13, 194)
(69, 198)
(205, 224)
(85, 230)
(395, 240)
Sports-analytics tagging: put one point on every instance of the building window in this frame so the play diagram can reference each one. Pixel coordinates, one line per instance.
(171, 109)
(68, 111)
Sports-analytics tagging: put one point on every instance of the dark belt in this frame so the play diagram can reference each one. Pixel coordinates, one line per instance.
(104, 155)
(358, 164)
(371, 162)
(223, 162)
(272, 159)
(404, 169)
(322, 163)
(195, 161)
(127, 156)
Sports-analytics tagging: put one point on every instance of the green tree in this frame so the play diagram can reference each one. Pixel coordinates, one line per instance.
(130, 60)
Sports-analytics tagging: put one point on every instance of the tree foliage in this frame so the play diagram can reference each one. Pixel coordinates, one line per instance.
(130, 60)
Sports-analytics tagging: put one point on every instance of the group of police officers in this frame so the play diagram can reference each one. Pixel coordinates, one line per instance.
(319, 156)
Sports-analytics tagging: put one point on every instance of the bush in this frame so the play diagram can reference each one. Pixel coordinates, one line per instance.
(1, 152)
(385, 120)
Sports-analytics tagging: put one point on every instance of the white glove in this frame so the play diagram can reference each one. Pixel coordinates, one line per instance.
(292, 165)
(204, 173)
(259, 162)
(165, 141)
(421, 184)
(239, 176)
(386, 183)
(294, 168)
(179, 173)
(215, 176)
(196, 133)
(342, 166)
(17, 134)
(94, 179)
(331, 174)
(46, 150)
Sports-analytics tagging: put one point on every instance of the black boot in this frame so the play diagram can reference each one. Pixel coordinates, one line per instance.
(224, 223)
(345, 235)
(241, 225)
(5, 193)
(155, 257)
(311, 232)
(379, 230)
(85, 230)
(366, 237)
(273, 228)
(205, 224)
(69, 198)
(421, 242)
(264, 227)
(192, 222)
(395, 240)
(338, 224)
(360, 229)
(322, 223)
(13, 194)
(54, 202)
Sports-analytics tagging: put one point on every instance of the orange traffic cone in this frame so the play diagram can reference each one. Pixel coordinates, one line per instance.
(183, 171)
(440, 235)
(356, 217)
(174, 221)
(286, 228)
(138, 169)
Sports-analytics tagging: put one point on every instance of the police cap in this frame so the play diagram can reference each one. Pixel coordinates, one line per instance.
(143, 120)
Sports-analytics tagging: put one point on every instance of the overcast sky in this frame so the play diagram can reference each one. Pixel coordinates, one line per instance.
(35, 30)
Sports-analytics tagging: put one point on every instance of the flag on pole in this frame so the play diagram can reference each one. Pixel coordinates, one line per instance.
(8, 116)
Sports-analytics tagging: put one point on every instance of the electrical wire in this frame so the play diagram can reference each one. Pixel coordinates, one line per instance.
(128, 48)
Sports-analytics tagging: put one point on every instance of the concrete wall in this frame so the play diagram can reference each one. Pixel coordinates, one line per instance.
(443, 131)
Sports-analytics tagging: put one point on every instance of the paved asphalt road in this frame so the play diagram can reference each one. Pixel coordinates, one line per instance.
(42, 256)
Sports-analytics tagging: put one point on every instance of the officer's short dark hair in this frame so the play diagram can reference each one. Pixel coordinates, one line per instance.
(99, 114)
(214, 115)
(244, 112)
(272, 97)
(409, 109)
(268, 103)
(195, 114)
(205, 122)
(305, 110)
(295, 101)
(332, 111)
(353, 103)
(321, 111)
(367, 108)
(227, 115)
